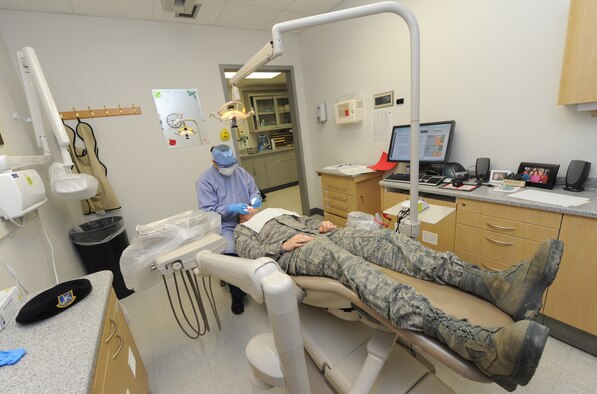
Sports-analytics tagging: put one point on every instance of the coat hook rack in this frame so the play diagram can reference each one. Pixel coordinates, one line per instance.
(100, 112)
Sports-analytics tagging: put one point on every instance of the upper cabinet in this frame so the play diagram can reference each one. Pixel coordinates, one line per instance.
(272, 111)
(579, 72)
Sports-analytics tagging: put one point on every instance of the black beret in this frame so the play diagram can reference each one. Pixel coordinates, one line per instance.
(54, 300)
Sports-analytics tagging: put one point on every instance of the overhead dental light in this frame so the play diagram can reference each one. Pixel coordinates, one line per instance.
(274, 48)
(63, 183)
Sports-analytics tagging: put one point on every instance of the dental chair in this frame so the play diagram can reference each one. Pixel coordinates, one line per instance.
(350, 343)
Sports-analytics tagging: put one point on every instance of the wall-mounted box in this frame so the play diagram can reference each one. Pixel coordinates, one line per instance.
(349, 111)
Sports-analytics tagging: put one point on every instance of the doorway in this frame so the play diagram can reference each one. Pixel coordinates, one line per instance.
(268, 144)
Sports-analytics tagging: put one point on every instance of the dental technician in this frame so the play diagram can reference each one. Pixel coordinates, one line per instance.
(230, 191)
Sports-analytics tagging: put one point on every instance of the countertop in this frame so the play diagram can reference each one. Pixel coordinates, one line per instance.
(266, 152)
(62, 350)
(488, 194)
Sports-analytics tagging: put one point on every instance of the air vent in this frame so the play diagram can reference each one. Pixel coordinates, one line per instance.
(190, 15)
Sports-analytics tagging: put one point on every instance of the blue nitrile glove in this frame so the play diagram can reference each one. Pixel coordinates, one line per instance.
(256, 202)
(11, 357)
(240, 208)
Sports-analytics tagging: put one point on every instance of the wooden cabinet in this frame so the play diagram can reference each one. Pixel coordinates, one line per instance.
(438, 236)
(579, 74)
(344, 194)
(496, 236)
(272, 170)
(272, 111)
(571, 298)
(119, 367)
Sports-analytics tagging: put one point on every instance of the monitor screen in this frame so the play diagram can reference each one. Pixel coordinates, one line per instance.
(434, 142)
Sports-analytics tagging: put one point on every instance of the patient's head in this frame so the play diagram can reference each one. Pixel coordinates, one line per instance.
(248, 216)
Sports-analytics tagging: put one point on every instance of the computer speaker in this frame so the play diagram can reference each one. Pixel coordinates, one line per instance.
(482, 169)
(577, 174)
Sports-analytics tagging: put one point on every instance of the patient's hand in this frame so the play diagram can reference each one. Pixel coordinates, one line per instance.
(296, 242)
(327, 226)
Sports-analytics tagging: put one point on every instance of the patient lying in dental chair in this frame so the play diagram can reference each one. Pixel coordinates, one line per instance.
(306, 246)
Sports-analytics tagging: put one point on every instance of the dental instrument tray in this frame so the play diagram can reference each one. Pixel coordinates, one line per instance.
(424, 179)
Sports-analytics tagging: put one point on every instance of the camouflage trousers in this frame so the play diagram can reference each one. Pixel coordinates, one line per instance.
(344, 253)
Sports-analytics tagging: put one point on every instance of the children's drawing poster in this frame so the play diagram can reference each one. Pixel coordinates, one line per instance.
(181, 117)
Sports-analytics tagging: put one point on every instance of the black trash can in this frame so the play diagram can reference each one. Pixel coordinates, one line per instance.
(99, 244)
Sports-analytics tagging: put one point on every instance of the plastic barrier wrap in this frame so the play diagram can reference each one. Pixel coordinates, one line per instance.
(154, 239)
(363, 221)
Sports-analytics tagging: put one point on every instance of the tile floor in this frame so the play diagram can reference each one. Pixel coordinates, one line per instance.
(215, 363)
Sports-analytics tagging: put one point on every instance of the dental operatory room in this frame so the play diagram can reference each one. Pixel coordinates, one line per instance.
(298, 196)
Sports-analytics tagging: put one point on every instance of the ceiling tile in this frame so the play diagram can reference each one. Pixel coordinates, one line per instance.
(313, 7)
(247, 17)
(275, 4)
(60, 6)
(129, 9)
(207, 15)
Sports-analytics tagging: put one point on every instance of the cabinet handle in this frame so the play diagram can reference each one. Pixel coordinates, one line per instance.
(336, 187)
(113, 332)
(501, 243)
(500, 227)
(119, 347)
(490, 268)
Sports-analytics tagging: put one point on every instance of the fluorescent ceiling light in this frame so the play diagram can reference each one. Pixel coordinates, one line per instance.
(254, 75)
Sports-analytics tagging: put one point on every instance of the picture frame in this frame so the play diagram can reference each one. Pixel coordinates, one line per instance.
(497, 176)
(382, 100)
(539, 175)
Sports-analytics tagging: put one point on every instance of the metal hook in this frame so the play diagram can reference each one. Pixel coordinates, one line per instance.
(76, 113)
(134, 109)
(119, 109)
(91, 111)
(106, 110)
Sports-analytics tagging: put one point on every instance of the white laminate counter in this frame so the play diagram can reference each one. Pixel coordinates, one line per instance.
(62, 350)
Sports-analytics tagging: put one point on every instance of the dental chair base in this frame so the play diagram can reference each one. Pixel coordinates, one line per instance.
(342, 350)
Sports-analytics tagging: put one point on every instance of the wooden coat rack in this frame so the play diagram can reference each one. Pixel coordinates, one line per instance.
(100, 112)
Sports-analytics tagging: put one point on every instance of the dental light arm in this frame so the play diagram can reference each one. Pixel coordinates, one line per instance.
(264, 281)
(274, 48)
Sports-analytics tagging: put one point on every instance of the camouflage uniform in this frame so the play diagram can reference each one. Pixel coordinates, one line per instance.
(343, 254)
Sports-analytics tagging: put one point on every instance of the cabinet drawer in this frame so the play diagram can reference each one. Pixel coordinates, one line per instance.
(482, 262)
(337, 220)
(102, 357)
(495, 246)
(523, 215)
(337, 207)
(340, 197)
(338, 184)
(508, 227)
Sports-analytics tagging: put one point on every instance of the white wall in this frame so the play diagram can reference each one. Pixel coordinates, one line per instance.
(101, 61)
(26, 249)
(493, 66)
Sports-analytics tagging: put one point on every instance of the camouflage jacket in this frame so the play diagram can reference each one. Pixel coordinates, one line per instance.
(268, 242)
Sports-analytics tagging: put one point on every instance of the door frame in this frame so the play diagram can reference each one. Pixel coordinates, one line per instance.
(296, 130)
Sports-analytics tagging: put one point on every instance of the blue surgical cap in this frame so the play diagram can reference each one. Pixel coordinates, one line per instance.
(223, 156)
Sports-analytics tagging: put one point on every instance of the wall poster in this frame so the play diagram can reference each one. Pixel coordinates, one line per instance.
(181, 117)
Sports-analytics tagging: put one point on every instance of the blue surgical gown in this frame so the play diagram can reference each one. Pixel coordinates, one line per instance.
(216, 191)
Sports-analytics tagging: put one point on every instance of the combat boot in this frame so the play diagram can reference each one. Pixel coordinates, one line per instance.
(517, 291)
(508, 355)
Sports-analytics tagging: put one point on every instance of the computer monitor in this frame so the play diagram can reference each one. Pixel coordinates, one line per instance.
(435, 140)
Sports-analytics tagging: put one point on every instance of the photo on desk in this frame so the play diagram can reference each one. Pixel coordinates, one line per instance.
(497, 176)
(538, 175)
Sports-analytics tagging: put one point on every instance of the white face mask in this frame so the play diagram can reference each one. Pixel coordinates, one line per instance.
(226, 171)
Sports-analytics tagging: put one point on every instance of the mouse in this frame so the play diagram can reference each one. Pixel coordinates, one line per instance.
(457, 182)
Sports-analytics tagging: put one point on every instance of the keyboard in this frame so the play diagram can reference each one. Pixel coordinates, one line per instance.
(424, 179)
